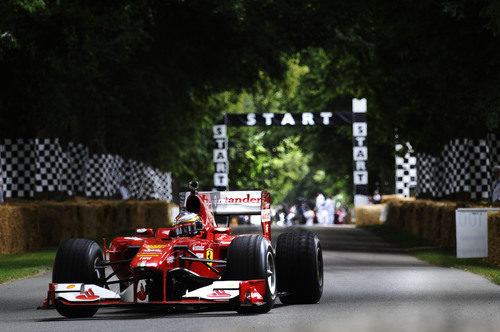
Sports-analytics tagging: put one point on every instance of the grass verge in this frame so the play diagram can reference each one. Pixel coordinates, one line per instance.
(424, 250)
(17, 266)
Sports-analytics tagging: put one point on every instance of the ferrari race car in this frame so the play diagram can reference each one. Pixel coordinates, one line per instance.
(194, 263)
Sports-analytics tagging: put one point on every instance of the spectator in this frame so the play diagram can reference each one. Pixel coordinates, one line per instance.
(292, 215)
(321, 212)
(341, 213)
(330, 208)
(495, 197)
(377, 198)
(309, 215)
(124, 190)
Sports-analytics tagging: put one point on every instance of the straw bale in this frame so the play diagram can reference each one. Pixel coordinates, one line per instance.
(37, 224)
(429, 220)
(435, 221)
(393, 214)
(392, 198)
(417, 218)
(368, 214)
(448, 231)
(493, 238)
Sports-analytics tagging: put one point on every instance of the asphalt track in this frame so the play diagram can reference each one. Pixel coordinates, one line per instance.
(369, 286)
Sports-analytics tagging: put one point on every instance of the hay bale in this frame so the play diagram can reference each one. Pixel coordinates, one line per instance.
(493, 238)
(394, 213)
(428, 219)
(391, 198)
(368, 214)
(33, 225)
(11, 225)
(447, 230)
(417, 218)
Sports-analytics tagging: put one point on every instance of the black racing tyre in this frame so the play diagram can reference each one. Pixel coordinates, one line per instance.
(252, 257)
(75, 263)
(299, 266)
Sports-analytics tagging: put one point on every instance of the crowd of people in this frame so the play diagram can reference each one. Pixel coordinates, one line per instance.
(325, 211)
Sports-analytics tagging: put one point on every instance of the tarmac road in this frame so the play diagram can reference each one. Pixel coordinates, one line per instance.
(369, 286)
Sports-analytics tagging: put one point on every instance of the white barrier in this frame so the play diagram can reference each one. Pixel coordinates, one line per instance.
(472, 232)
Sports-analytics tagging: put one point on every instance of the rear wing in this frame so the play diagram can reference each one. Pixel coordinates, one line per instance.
(253, 202)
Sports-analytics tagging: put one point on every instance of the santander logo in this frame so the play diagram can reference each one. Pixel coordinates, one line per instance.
(88, 296)
(246, 199)
(219, 293)
(232, 198)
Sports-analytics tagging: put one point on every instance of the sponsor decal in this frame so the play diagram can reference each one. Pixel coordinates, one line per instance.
(141, 294)
(219, 293)
(148, 255)
(147, 258)
(141, 264)
(70, 286)
(155, 246)
(266, 215)
(209, 255)
(198, 248)
(225, 199)
(170, 259)
(199, 255)
(89, 295)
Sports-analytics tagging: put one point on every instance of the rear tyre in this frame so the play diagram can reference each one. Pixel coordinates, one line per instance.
(251, 257)
(75, 263)
(299, 264)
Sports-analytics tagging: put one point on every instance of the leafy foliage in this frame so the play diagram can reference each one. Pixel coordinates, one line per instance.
(147, 79)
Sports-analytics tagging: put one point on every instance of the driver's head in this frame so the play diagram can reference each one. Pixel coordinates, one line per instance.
(187, 224)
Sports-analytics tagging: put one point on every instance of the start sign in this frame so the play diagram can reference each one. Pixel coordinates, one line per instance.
(356, 118)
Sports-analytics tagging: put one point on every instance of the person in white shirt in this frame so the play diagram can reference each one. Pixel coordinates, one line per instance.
(330, 209)
(309, 215)
(321, 212)
(495, 196)
(377, 198)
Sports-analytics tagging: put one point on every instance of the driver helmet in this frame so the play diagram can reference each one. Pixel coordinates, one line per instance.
(187, 224)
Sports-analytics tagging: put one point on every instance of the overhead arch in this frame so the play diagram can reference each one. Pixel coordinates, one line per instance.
(356, 118)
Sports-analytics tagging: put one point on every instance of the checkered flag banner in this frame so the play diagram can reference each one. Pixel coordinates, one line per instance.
(462, 166)
(406, 171)
(17, 158)
(30, 166)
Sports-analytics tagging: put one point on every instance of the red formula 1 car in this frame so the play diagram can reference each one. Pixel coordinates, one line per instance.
(193, 263)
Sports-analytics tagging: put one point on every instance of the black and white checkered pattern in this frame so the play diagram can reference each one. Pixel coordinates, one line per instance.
(52, 166)
(462, 166)
(18, 168)
(427, 167)
(97, 176)
(406, 172)
(493, 141)
(42, 165)
(78, 159)
(480, 170)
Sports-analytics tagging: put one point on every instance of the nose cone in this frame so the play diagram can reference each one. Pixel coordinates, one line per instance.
(151, 255)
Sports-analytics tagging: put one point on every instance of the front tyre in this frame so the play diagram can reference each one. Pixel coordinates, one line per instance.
(75, 263)
(252, 257)
(299, 262)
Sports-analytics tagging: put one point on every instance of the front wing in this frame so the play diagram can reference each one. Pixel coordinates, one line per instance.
(219, 293)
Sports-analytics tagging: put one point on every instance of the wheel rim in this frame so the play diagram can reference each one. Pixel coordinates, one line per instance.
(99, 271)
(319, 264)
(271, 273)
